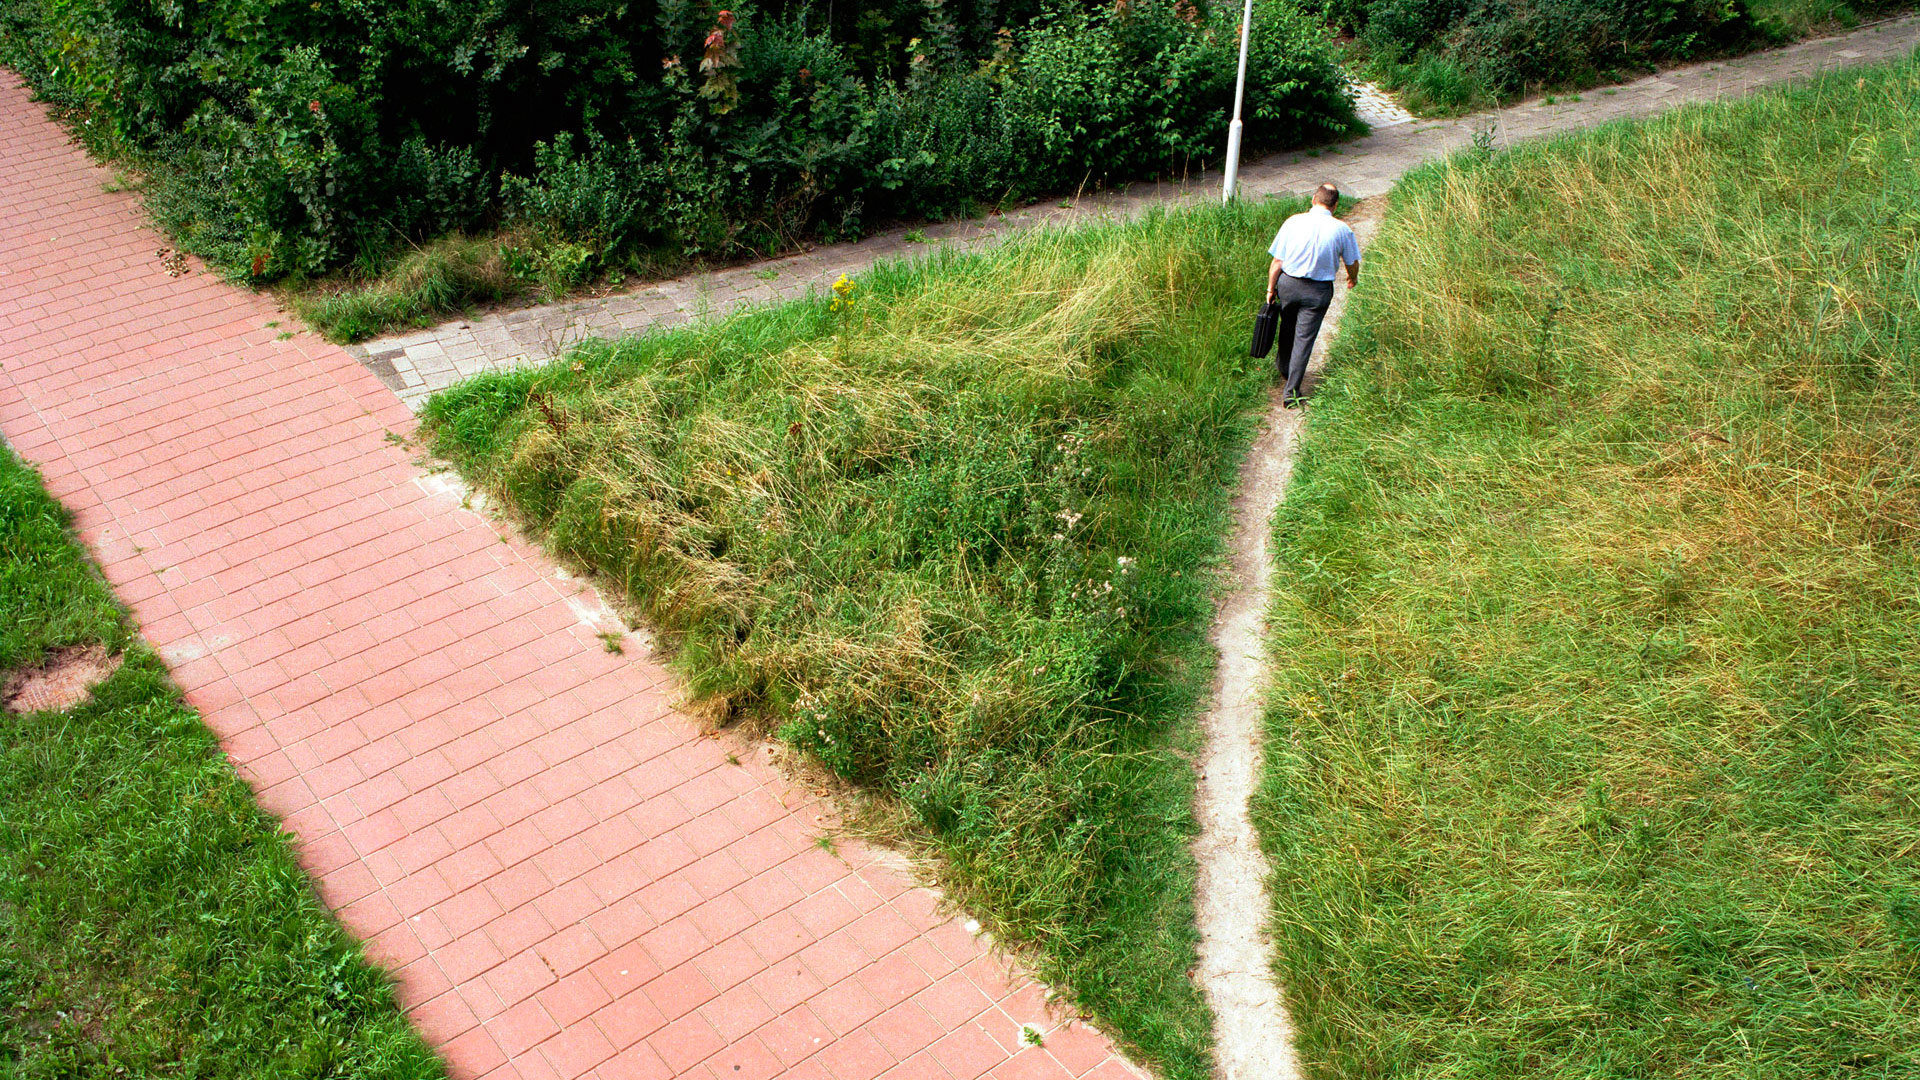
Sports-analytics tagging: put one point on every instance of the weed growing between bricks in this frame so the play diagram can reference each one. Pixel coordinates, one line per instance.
(952, 529)
(152, 920)
(1596, 743)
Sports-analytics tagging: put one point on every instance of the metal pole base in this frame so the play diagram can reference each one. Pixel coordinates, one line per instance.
(1233, 162)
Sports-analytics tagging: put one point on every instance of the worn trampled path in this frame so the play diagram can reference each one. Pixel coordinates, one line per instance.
(416, 364)
(566, 877)
(1253, 1039)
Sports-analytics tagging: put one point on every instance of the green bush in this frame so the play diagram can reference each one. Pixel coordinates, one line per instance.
(1455, 54)
(294, 139)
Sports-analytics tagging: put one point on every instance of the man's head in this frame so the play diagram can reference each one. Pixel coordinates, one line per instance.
(1327, 195)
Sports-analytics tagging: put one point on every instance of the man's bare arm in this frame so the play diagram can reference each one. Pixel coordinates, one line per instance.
(1273, 279)
(1353, 274)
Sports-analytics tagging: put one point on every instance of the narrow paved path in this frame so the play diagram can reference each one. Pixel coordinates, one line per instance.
(1252, 1034)
(414, 365)
(566, 877)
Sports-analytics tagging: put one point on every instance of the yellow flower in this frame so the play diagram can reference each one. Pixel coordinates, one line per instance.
(842, 293)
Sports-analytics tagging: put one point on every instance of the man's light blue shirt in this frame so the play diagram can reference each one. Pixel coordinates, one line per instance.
(1314, 244)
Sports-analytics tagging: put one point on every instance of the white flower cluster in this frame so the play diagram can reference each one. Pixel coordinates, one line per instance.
(1068, 519)
(809, 707)
(1069, 447)
(1124, 567)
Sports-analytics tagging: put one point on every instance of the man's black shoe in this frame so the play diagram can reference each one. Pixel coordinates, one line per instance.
(1294, 401)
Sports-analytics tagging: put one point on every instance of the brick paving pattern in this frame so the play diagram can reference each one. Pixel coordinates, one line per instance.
(414, 365)
(568, 880)
(1378, 108)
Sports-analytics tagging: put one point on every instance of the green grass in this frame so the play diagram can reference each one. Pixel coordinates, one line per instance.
(152, 921)
(422, 287)
(1436, 85)
(1595, 750)
(1798, 18)
(958, 540)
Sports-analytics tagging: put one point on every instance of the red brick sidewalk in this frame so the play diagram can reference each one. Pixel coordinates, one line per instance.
(566, 878)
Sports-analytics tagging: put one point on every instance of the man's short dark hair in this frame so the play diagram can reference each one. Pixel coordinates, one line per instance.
(1327, 196)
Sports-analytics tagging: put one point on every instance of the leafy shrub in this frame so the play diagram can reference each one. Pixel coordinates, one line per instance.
(437, 188)
(949, 143)
(292, 140)
(798, 145)
(1292, 84)
(1452, 54)
(602, 196)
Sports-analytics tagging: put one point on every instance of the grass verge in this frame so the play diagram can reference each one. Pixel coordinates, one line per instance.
(438, 279)
(954, 533)
(419, 289)
(152, 921)
(1595, 750)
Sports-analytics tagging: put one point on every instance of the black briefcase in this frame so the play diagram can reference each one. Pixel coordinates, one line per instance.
(1265, 326)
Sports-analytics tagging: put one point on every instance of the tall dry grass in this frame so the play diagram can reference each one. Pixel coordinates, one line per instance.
(957, 540)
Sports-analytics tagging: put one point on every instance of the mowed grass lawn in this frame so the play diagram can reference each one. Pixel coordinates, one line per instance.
(153, 923)
(958, 538)
(1594, 748)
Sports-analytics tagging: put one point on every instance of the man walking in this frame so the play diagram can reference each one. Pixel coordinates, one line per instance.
(1307, 254)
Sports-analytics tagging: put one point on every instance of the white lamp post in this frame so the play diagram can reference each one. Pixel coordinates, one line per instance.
(1239, 95)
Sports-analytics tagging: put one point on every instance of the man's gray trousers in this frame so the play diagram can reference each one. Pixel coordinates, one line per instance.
(1303, 303)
